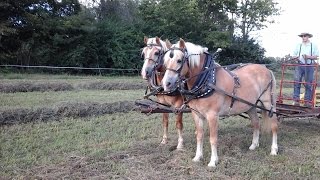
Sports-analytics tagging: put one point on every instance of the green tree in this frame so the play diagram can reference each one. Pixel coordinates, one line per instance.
(174, 19)
(252, 15)
(242, 52)
(24, 22)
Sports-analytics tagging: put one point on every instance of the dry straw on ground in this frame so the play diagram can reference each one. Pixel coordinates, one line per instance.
(31, 86)
(65, 86)
(102, 85)
(21, 115)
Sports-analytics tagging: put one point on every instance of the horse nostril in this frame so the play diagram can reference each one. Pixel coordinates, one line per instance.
(148, 73)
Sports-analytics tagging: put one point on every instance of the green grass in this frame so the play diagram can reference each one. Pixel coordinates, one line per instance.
(29, 145)
(46, 99)
(126, 145)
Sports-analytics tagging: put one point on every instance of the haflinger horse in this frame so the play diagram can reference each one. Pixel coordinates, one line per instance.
(153, 72)
(256, 84)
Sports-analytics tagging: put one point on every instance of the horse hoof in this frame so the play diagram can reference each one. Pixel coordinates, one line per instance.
(212, 164)
(253, 146)
(196, 159)
(164, 141)
(180, 147)
(273, 153)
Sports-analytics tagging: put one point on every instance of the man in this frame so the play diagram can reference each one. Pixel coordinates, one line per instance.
(305, 53)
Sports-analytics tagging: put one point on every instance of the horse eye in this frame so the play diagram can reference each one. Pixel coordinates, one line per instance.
(179, 61)
(156, 53)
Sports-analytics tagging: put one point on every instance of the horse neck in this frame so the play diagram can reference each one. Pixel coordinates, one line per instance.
(194, 71)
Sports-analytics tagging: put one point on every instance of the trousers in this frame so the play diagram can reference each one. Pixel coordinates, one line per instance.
(307, 73)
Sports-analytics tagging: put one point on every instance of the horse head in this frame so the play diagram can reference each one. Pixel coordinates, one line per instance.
(179, 60)
(152, 54)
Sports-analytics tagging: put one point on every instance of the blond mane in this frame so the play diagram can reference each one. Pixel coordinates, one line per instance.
(194, 52)
(153, 41)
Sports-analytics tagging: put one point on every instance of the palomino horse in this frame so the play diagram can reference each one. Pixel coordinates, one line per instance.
(256, 84)
(153, 71)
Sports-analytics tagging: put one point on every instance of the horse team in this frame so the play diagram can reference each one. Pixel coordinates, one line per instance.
(172, 64)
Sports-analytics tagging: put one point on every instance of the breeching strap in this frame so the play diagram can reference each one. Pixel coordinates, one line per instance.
(242, 100)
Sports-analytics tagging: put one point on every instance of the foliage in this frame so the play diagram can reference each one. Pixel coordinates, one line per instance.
(242, 52)
(254, 15)
(110, 34)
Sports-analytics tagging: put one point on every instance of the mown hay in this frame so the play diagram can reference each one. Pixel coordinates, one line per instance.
(64, 86)
(102, 85)
(32, 86)
(22, 115)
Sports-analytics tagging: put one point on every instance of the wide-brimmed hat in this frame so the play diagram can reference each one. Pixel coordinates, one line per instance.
(305, 34)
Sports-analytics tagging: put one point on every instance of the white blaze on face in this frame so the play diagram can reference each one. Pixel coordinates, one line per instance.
(170, 76)
(149, 55)
(143, 70)
(164, 81)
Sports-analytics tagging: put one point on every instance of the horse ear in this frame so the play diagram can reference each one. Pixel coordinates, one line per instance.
(182, 43)
(145, 39)
(168, 44)
(158, 40)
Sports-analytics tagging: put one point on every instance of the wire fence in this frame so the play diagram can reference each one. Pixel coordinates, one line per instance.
(97, 70)
(94, 70)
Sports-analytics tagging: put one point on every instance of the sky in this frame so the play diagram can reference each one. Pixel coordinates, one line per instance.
(279, 39)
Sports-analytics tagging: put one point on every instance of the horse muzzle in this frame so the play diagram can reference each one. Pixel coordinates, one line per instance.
(149, 71)
(170, 84)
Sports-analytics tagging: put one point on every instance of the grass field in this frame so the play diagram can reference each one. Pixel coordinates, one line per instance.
(127, 145)
(48, 99)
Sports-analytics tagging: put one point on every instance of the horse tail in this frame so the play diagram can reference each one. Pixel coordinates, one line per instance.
(267, 117)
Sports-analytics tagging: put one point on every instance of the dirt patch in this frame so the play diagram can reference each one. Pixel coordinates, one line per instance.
(21, 115)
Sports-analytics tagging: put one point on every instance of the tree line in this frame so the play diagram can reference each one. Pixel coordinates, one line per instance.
(109, 33)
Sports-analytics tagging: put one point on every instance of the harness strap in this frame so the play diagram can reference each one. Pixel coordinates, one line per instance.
(243, 101)
(152, 93)
(271, 96)
(235, 86)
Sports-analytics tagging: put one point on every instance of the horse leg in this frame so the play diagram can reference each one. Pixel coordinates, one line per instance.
(213, 129)
(256, 128)
(165, 124)
(273, 124)
(179, 126)
(274, 129)
(199, 135)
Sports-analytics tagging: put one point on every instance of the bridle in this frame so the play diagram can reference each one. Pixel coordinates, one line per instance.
(159, 61)
(183, 60)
